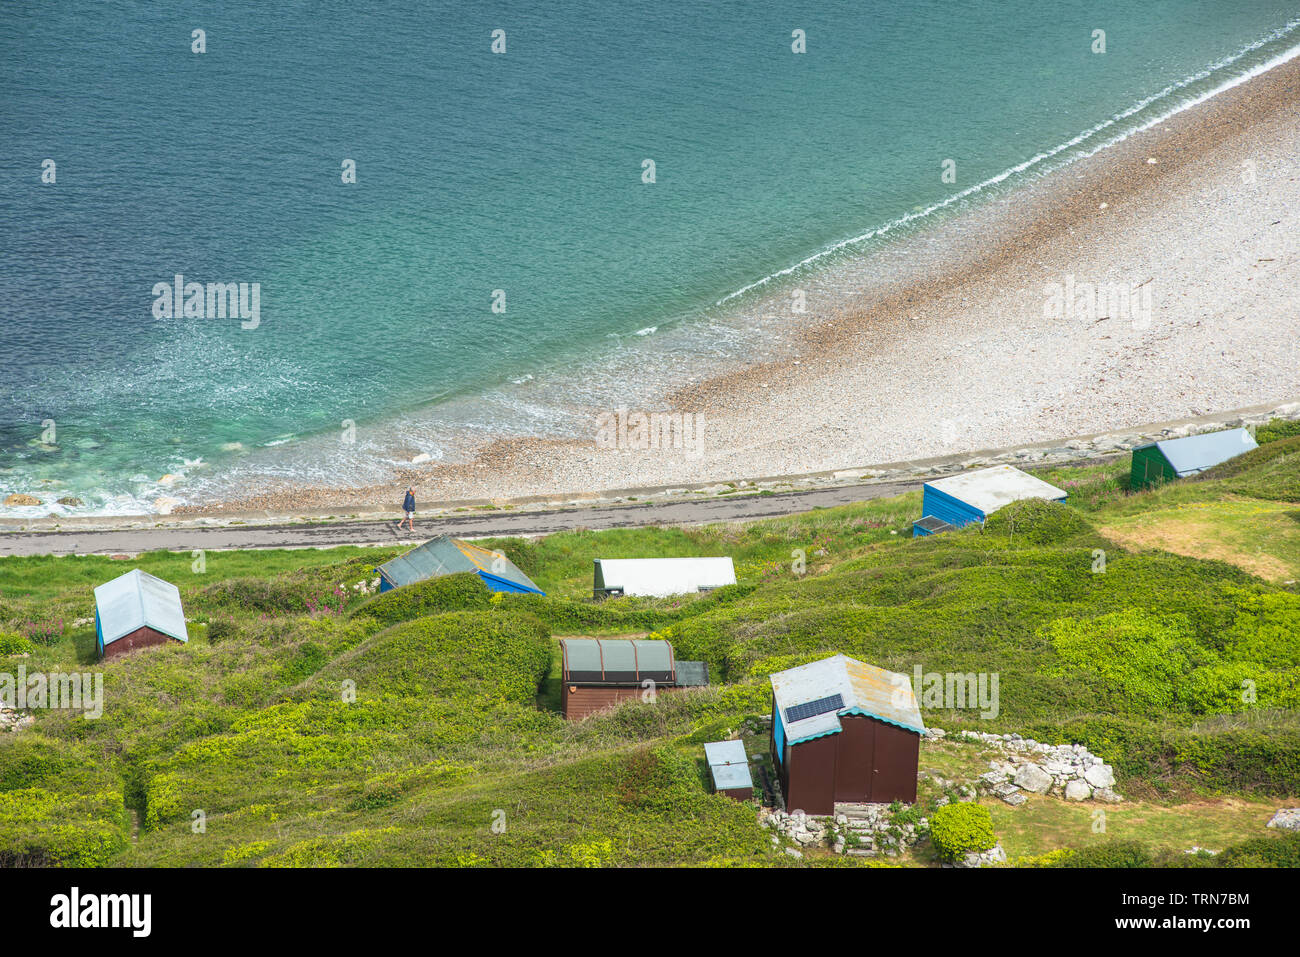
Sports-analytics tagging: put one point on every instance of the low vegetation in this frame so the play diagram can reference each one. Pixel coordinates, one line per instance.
(309, 721)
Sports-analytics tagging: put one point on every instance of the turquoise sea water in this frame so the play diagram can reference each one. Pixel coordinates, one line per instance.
(479, 172)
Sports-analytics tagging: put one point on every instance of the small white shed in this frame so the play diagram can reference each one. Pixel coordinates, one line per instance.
(660, 577)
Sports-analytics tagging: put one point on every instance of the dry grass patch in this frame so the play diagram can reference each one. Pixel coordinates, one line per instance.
(1262, 538)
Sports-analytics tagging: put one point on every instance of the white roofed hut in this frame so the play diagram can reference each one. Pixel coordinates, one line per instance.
(660, 577)
(137, 610)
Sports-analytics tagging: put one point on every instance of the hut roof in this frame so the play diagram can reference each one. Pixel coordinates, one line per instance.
(812, 698)
(660, 577)
(616, 660)
(990, 489)
(728, 764)
(692, 674)
(136, 600)
(447, 556)
(1196, 453)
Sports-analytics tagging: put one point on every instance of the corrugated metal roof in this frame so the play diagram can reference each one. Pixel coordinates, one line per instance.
(616, 656)
(136, 600)
(661, 577)
(1196, 453)
(436, 557)
(990, 489)
(448, 556)
(865, 689)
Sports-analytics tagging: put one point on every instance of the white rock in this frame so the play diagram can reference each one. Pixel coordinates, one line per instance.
(1031, 777)
(1286, 819)
(1077, 790)
(1099, 776)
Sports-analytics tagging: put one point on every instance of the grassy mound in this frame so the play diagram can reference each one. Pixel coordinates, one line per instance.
(460, 655)
(1039, 522)
(462, 591)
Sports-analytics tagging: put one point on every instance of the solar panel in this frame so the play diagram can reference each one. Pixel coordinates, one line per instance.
(810, 709)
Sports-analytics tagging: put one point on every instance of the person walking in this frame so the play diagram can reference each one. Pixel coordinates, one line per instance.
(408, 506)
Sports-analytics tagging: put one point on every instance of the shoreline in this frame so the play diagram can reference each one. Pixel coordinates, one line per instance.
(1061, 452)
(982, 302)
(959, 357)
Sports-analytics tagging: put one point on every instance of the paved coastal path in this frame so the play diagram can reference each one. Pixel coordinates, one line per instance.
(107, 541)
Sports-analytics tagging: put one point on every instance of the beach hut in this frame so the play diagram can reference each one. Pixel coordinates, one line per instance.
(660, 577)
(729, 768)
(844, 731)
(137, 610)
(973, 496)
(1172, 459)
(447, 556)
(599, 673)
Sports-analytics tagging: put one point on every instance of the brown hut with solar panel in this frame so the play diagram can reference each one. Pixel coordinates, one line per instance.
(600, 673)
(844, 731)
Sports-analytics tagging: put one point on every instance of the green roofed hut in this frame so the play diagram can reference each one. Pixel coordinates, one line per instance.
(1171, 459)
(599, 673)
(448, 556)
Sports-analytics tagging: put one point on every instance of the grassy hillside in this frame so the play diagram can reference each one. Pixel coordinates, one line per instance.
(307, 722)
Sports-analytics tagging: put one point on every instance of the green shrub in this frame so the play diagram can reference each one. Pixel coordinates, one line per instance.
(460, 655)
(1037, 521)
(459, 592)
(13, 644)
(957, 829)
(1131, 662)
(1280, 851)
(1277, 429)
(1271, 471)
(1126, 854)
(1231, 687)
(219, 629)
(258, 595)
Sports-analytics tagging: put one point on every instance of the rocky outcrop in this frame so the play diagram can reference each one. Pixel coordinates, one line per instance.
(1030, 767)
(11, 720)
(18, 498)
(1076, 789)
(1032, 778)
(855, 830)
(994, 855)
(1287, 819)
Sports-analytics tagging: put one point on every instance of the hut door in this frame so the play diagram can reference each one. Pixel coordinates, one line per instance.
(894, 775)
(854, 759)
